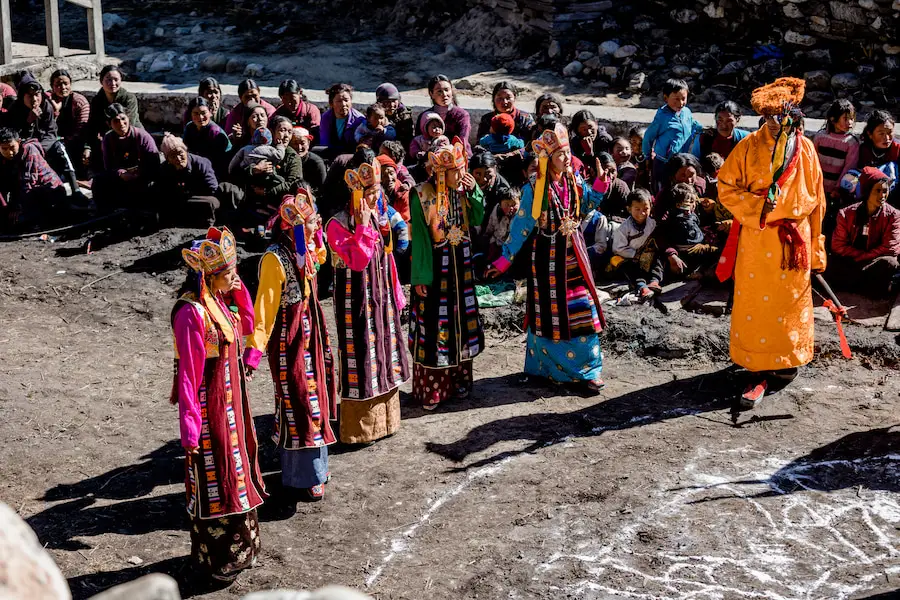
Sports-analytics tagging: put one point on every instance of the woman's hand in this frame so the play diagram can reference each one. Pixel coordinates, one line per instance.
(492, 273)
(248, 372)
(469, 182)
(261, 167)
(237, 131)
(422, 291)
(86, 157)
(676, 264)
(364, 214)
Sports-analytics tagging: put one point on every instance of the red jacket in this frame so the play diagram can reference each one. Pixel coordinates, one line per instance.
(884, 233)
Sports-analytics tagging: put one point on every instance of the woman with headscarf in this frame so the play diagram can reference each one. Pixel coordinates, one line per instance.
(445, 332)
(368, 301)
(186, 185)
(236, 122)
(290, 325)
(388, 96)
(223, 479)
(773, 185)
(457, 122)
(564, 318)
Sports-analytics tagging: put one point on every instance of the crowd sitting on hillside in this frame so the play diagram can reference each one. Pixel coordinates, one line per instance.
(659, 221)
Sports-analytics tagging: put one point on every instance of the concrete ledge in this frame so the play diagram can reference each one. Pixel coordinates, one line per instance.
(162, 106)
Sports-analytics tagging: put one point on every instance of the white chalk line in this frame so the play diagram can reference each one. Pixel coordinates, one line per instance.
(399, 544)
(817, 515)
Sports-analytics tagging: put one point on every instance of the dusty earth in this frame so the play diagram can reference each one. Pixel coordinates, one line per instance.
(524, 491)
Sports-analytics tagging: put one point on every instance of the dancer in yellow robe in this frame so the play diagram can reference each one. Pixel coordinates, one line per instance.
(772, 183)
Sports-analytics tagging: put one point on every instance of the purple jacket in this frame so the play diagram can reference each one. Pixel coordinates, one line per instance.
(136, 149)
(328, 134)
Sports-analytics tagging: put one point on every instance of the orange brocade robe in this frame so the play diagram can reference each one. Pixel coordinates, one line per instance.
(772, 318)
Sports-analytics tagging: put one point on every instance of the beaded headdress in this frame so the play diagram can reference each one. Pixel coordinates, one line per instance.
(549, 142)
(361, 179)
(214, 254)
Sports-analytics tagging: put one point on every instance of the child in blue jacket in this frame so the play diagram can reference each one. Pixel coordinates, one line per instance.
(672, 130)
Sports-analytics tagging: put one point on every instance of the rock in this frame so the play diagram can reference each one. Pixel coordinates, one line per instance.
(680, 71)
(867, 4)
(585, 56)
(733, 68)
(254, 70)
(159, 32)
(164, 61)
(638, 82)
(554, 49)
(625, 51)
(608, 47)
(134, 560)
(876, 24)
(817, 80)
(714, 11)
(844, 11)
(609, 72)
(412, 78)
(683, 16)
(593, 63)
(215, 63)
(610, 25)
(820, 24)
(26, 570)
(642, 26)
(819, 55)
(573, 68)
(818, 97)
(845, 81)
(463, 84)
(450, 50)
(331, 592)
(799, 39)
(198, 28)
(865, 70)
(111, 20)
(600, 85)
(584, 46)
(659, 61)
(235, 65)
(891, 50)
(891, 64)
(792, 11)
(230, 29)
(149, 587)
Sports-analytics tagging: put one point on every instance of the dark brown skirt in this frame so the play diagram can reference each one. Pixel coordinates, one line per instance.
(224, 547)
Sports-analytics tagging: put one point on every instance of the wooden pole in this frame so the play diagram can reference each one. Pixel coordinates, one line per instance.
(5, 33)
(51, 16)
(95, 30)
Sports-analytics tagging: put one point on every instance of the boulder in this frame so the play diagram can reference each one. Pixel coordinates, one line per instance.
(642, 26)
(112, 20)
(733, 68)
(845, 81)
(680, 71)
(230, 29)
(638, 82)
(625, 51)
(610, 73)
(254, 70)
(235, 65)
(714, 11)
(164, 61)
(820, 24)
(659, 61)
(573, 68)
(799, 39)
(584, 56)
(684, 16)
(159, 32)
(554, 49)
(792, 11)
(608, 47)
(817, 80)
(155, 586)
(865, 70)
(215, 63)
(198, 28)
(891, 50)
(593, 63)
(26, 570)
(412, 78)
(463, 84)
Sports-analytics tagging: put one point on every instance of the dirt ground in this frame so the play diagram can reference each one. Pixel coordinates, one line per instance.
(523, 491)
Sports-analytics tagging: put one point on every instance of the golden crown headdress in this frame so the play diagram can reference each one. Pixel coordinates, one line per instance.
(449, 157)
(297, 210)
(214, 254)
(551, 141)
(365, 176)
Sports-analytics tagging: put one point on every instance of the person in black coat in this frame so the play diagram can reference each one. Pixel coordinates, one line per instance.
(186, 185)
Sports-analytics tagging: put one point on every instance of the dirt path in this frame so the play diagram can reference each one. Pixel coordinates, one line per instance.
(522, 492)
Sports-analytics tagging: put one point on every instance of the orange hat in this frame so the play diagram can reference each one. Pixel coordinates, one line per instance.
(386, 161)
(778, 97)
(503, 124)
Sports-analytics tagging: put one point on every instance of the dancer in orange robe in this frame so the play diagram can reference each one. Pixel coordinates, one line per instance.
(772, 183)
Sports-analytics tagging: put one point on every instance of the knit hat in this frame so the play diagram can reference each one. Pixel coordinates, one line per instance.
(867, 180)
(429, 117)
(170, 143)
(386, 161)
(387, 91)
(261, 136)
(503, 124)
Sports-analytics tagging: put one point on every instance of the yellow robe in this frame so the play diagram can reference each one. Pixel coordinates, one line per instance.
(772, 318)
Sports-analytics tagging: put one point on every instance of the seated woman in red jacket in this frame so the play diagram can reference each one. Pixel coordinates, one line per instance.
(866, 241)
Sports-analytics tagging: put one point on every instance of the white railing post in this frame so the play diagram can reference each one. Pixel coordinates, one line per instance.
(5, 33)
